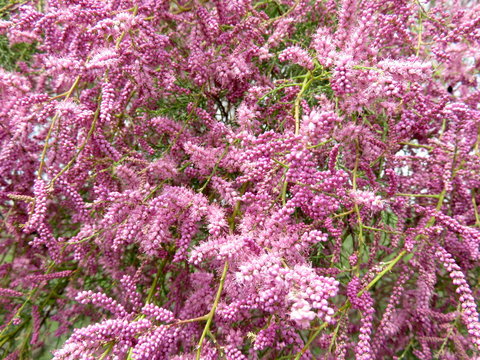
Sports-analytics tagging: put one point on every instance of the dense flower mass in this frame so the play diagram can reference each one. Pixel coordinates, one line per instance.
(266, 179)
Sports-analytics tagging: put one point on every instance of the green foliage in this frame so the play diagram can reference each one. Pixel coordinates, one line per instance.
(10, 55)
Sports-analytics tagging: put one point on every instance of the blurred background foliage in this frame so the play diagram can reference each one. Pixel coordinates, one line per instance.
(10, 55)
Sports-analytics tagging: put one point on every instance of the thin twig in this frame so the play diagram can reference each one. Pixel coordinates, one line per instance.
(211, 314)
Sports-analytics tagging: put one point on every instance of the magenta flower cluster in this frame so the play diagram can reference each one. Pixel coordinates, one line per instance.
(242, 179)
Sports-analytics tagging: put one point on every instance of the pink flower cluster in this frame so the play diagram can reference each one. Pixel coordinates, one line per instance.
(241, 179)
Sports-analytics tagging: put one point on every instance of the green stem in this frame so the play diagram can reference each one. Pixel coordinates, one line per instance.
(344, 213)
(30, 297)
(317, 332)
(383, 272)
(450, 332)
(335, 333)
(288, 12)
(211, 314)
(80, 149)
(284, 188)
(151, 292)
(214, 169)
(381, 230)
(120, 38)
(306, 83)
(107, 351)
(50, 130)
(236, 209)
(417, 145)
(475, 209)
(283, 86)
(359, 67)
(361, 240)
(419, 195)
(320, 144)
(310, 340)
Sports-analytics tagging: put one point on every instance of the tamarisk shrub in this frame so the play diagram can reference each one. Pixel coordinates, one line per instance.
(291, 179)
